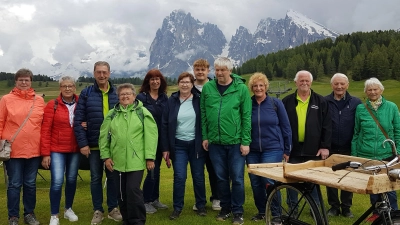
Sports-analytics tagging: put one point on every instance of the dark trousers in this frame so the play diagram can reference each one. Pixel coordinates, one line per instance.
(130, 197)
(346, 198)
(211, 177)
(151, 185)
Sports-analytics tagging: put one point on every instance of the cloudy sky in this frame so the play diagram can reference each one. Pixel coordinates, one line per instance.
(38, 33)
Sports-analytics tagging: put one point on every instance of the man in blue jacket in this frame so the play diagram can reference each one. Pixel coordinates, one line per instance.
(93, 105)
(342, 107)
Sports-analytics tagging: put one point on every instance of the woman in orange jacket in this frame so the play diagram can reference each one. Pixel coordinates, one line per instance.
(19, 105)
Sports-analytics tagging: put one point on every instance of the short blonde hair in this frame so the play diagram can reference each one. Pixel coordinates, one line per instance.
(127, 86)
(258, 77)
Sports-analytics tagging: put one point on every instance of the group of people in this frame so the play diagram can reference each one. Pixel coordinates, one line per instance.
(207, 122)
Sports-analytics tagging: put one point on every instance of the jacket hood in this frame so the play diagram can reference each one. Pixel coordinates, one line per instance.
(28, 94)
(136, 105)
(238, 79)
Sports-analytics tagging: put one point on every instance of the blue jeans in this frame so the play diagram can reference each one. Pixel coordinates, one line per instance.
(21, 173)
(259, 184)
(60, 164)
(228, 164)
(392, 199)
(151, 185)
(96, 186)
(184, 153)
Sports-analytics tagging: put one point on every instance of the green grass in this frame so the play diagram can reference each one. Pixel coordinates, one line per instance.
(83, 206)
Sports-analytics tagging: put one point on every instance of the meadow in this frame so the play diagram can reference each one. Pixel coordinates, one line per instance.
(83, 205)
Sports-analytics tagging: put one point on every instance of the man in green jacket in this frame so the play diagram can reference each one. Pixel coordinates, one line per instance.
(226, 123)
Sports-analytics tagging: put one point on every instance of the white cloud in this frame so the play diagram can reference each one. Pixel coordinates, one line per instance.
(38, 33)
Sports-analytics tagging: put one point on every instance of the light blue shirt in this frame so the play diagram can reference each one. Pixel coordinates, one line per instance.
(185, 129)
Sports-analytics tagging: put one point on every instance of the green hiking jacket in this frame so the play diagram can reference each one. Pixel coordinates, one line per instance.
(126, 139)
(226, 119)
(368, 138)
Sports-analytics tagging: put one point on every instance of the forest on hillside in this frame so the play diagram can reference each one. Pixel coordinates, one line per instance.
(359, 55)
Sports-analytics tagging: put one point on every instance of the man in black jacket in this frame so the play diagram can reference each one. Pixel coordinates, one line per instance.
(311, 124)
(342, 107)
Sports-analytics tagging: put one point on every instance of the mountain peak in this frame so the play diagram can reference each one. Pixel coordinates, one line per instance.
(309, 24)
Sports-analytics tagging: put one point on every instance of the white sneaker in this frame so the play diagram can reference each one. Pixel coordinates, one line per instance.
(194, 207)
(70, 215)
(54, 220)
(215, 205)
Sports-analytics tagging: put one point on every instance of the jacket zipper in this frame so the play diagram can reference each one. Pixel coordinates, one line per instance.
(259, 129)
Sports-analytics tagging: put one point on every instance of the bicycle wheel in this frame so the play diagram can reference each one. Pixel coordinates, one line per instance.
(282, 209)
(385, 219)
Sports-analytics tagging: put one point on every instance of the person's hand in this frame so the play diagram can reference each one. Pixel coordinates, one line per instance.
(205, 145)
(84, 125)
(85, 151)
(46, 162)
(166, 158)
(244, 149)
(109, 164)
(286, 158)
(323, 152)
(150, 164)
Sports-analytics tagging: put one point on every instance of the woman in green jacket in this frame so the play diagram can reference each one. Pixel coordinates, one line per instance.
(368, 139)
(127, 147)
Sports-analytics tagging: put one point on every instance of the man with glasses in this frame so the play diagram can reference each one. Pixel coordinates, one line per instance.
(93, 105)
(226, 123)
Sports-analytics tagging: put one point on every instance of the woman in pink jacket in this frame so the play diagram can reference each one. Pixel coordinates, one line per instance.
(19, 105)
(60, 150)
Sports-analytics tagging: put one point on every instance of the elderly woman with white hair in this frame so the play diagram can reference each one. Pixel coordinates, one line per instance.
(368, 137)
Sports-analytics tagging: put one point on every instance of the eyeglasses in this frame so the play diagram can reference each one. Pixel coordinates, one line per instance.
(67, 86)
(125, 94)
(24, 80)
(184, 82)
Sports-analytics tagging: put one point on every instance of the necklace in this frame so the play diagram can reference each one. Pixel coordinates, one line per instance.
(185, 99)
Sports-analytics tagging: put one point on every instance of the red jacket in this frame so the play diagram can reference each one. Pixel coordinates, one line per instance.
(57, 134)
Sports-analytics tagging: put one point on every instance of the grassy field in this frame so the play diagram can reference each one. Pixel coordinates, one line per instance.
(83, 206)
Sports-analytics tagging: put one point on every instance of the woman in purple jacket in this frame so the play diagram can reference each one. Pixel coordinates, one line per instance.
(271, 139)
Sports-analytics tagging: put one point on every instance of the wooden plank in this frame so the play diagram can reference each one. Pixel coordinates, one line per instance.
(270, 170)
(289, 167)
(380, 183)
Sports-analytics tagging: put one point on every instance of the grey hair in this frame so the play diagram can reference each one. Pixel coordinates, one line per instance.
(223, 61)
(371, 82)
(126, 85)
(341, 75)
(300, 72)
(66, 78)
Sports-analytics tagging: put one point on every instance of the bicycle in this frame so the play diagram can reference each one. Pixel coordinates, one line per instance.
(298, 178)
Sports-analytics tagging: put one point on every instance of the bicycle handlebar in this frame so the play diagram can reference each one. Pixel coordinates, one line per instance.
(344, 165)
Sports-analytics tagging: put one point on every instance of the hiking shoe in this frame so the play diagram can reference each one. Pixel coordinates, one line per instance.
(215, 205)
(158, 205)
(175, 214)
(194, 207)
(223, 215)
(276, 221)
(115, 215)
(237, 219)
(70, 215)
(150, 208)
(13, 221)
(97, 218)
(346, 212)
(372, 218)
(333, 212)
(31, 219)
(54, 220)
(202, 211)
(258, 217)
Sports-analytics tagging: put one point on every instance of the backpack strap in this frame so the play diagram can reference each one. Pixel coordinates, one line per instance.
(273, 103)
(88, 91)
(139, 113)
